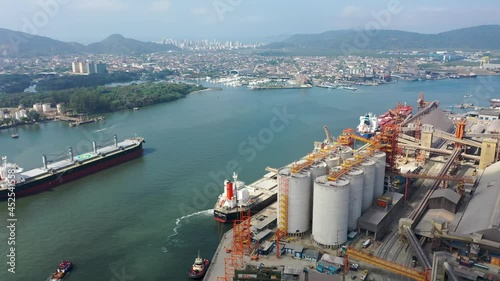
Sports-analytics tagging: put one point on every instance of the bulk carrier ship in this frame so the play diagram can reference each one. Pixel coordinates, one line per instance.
(240, 197)
(13, 179)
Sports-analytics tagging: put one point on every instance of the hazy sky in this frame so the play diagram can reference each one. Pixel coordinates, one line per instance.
(92, 20)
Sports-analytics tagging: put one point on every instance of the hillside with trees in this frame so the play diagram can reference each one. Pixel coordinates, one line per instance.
(104, 99)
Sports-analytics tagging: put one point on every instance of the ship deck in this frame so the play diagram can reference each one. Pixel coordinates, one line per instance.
(84, 158)
(259, 190)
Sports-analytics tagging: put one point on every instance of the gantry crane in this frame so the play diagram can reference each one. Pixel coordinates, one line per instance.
(421, 101)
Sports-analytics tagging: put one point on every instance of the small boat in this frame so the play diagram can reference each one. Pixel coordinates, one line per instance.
(136, 108)
(199, 267)
(62, 270)
(14, 136)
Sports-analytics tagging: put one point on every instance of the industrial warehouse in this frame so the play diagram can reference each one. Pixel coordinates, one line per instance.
(418, 198)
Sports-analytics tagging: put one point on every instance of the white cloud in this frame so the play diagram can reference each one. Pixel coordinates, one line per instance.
(98, 5)
(351, 10)
(160, 6)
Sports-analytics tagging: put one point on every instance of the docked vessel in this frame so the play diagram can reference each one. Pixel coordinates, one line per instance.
(495, 102)
(394, 116)
(368, 125)
(238, 197)
(199, 267)
(63, 269)
(14, 180)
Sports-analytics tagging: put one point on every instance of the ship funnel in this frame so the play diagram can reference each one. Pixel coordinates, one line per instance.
(44, 160)
(70, 154)
(115, 139)
(94, 145)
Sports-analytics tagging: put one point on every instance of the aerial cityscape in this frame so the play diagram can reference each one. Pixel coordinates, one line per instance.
(235, 140)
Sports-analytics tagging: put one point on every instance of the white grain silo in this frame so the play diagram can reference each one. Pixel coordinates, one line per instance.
(379, 158)
(356, 178)
(37, 107)
(296, 200)
(46, 107)
(332, 161)
(318, 169)
(330, 211)
(368, 168)
(345, 152)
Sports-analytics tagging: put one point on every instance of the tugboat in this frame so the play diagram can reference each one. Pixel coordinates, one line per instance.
(199, 267)
(62, 270)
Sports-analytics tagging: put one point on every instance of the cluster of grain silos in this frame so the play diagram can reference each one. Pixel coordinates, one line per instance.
(333, 205)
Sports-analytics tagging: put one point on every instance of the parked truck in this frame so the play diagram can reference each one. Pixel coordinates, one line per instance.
(364, 275)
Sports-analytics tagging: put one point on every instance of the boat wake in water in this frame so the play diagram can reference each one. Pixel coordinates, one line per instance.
(178, 224)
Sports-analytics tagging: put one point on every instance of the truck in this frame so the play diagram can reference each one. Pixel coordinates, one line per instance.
(364, 275)
(367, 243)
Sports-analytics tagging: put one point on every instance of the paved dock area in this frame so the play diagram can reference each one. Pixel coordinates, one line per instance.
(217, 266)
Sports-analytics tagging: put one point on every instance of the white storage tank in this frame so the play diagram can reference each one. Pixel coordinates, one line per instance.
(345, 152)
(330, 211)
(298, 200)
(368, 168)
(332, 161)
(59, 108)
(37, 107)
(46, 107)
(318, 169)
(379, 158)
(356, 178)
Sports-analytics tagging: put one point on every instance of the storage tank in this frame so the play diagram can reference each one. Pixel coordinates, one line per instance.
(332, 161)
(379, 158)
(37, 107)
(46, 107)
(368, 168)
(297, 199)
(345, 152)
(318, 169)
(330, 211)
(356, 178)
(59, 108)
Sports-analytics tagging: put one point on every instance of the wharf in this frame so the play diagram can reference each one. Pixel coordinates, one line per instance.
(217, 266)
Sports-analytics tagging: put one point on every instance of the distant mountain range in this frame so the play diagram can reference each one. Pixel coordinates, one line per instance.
(20, 44)
(485, 37)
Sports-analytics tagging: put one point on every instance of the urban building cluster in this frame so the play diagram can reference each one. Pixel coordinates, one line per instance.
(199, 45)
(86, 67)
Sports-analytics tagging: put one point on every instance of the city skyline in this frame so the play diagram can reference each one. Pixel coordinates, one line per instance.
(93, 20)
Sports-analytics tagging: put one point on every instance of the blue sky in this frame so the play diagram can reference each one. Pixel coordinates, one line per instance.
(92, 20)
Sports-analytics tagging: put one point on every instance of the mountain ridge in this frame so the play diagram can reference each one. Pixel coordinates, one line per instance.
(20, 44)
(347, 41)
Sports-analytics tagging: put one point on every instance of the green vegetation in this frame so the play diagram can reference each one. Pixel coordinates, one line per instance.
(104, 99)
(14, 83)
(80, 81)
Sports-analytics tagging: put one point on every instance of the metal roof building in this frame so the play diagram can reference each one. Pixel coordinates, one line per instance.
(445, 199)
(482, 215)
(376, 219)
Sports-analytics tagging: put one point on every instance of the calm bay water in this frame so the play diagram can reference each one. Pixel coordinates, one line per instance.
(146, 219)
